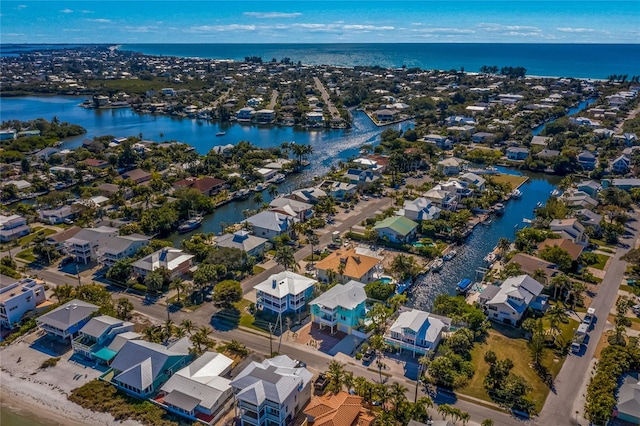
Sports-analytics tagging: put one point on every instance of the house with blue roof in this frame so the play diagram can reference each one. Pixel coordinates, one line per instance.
(95, 335)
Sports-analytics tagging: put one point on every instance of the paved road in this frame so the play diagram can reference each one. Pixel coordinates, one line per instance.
(561, 406)
(274, 99)
(326, 98)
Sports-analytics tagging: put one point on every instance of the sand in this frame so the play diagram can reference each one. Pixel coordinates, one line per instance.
(27, 390)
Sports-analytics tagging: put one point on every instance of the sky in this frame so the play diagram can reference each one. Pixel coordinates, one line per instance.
(327, 21)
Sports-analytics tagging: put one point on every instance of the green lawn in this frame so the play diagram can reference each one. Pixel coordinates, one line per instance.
(27, 255)
(515, 349)
(35, 231)
(257, 269)
(513, 180)
(602, 260)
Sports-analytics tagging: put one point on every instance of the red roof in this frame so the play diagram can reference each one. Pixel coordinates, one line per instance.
(204, 184)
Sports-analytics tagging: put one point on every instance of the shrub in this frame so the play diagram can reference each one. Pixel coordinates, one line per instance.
(51, 362)
(139, 287)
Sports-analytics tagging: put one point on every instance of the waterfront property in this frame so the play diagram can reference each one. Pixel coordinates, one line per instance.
(419, 209)
(284, 292)
(103, 244)
(206, 185)
(13, 227)
(574, 250)
(349, 264)
(508, 302)
(57, 215)
(142, 367)
(66, 321)
(530, 264)
(571, 229)
(243, 240)
(341, 409)
(417, 331)
(291, 207)
(338, 190)
(199, 391)
(270, 224)
(174, 260)
(396, 229)
(517, 153)
(96, 334)
(18, 298)
(341, 308)
(272, 392)
(451, 166)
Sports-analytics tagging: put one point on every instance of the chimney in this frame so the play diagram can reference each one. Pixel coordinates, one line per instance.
(274, 284)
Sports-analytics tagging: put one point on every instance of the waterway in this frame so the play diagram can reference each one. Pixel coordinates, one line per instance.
(483, 240)
(571, 111)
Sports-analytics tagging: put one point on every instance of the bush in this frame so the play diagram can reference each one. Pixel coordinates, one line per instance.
(379, 290)
(139, 287)
(51, 362)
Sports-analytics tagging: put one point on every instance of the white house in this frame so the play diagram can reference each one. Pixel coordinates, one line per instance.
(283, 292)
(272, 392)
(440, 198)
(13, 227)
(269, 224)
(419, 209)
(103, 244)
(18, 298)
(243, 240)
(417, 331)
(451, 165)
(174, 260)
(508, 302)
(570, 229)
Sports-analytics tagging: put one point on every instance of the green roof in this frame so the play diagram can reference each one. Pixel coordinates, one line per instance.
(399, 224)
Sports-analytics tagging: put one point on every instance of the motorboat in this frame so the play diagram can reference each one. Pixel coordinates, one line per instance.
(279, 178)
(221, 133)
(491, 258)
(190, 225)
(487, 222)
(499, 209)
(437, 265)
(464, 285)
(516, 193)
(450, 255)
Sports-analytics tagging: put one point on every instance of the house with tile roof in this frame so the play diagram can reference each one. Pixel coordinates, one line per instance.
(67, 320)
(284, 292)
(341, 308)
(349, 265)
(417, 331)
(397, 229)
(341, 409)
(137, 175)
(574, 250)
(142, 367)
(508, 302)
(272, 392)
(207, 185)
(174, 260)
(199, 392)
(95, 335)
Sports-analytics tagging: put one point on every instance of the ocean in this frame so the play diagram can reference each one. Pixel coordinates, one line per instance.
(596, 61)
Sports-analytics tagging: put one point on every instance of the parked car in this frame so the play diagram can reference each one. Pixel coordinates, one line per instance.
(368, 356)
(67, 260)
(321, 382)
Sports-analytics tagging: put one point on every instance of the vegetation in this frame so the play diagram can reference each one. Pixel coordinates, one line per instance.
(226, 293)
(49, 362)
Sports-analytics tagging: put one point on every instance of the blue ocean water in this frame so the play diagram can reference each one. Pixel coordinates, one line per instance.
(558, 60)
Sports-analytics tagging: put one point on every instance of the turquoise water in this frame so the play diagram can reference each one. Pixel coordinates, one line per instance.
(386, 280)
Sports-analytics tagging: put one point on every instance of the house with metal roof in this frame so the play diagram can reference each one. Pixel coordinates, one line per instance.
(508, 302)
(243, 240)
(419, 209)
(174, 260)
(290, 207)
(628, 407)
(397, 229)
(342, 307)
(199, 391)
(284, 292)
(67, 320)
(13, 227)
(272, 392)
(269, 224)
(103, 244)
(142, 367)
(417, 331)
(96, 334)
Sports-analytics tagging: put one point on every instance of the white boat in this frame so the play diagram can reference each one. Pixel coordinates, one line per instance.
(487, 222)
(556, 192)
(450, 255)
(525, 220)
(259, 187)
(190, 225)
(490, 258)
(516, 193)
(221, 133)
(437, 265)
(279, 178)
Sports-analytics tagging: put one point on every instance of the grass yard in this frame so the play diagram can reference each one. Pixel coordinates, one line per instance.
(257, 269)
(27, 255)
(602, 261)
(35, 231)
(516, 350)
(513, 180)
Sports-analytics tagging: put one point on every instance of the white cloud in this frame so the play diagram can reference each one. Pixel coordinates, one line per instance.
(367, 28)
(578, 30)
(141, 29)
(502, 28)
(219, 28)
(451, 31)
(272, 15)
(100, 20)
(66, 11)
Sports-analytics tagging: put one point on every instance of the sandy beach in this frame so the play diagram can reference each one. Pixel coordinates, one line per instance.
(41, 394)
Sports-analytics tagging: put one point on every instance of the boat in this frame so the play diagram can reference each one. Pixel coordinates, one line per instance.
(243, 193)
(487, 222)
(259, 187)
(499, 209)
(556, 192)
(516, 193)
(464, 285)
(221, 133)
(450, 255)
(539, 204)
(491, 258)
(279, 178)
(437, 265)
(525, 220)
(190, 225)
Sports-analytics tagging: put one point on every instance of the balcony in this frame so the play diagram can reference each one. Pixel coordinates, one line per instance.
(330, 320)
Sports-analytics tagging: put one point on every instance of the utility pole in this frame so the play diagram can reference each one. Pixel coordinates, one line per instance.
(77, 271)
(270, 340)
(415, 396)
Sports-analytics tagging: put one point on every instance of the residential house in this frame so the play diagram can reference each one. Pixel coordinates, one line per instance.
(483, 137)
(96, 334)
(174, 260)
(569, 228)
(341, 409)
(590, 187)
(272, 392)
(628, 139)
(141, 368)
(58, 240)
(67, 320)
(338, 190)
(58, 215)
(530, 264)
(291, 207)
(265, 115)
(348, 264)
(440, 198)
(383, 115)
(284, 292)
(474, 179)
(508, 302)
(624, 184)
(342, 307)
(419, 209)
(110, 189)
(547, 153)
(45, 153)
(451, 166)
(137, 175)
(628, 406)
(440, 141)
(245, 114)
(95, 163)
(13, 227)
(515, 153)
(207, 185)
(541, 140)
(588, 218)
(417, 331)
(360, 177)
(19, 298)
(112, 249)
(621, 165)
(587, 160)
(199, 392)
(396, 229)
(574, 250)
(269, 224)
(579, 199)
(309, 195)
(243, 240)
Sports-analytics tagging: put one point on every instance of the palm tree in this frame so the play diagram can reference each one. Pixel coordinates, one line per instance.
(575, 292)
(154, 280)
(465, 417)
(286, 258)
(169, 329)
(272, 190)
(179, 285)
(180, 332)
(341, 268)
(348, 380)
(556, 315)
(504, 245)
(419, 410)
(487, 422)
(336, 376)
(201, 340)
(124, 307)
(540, 276)
(188, 326)
(559, 282)
(363, 387)
(382, 392)
(64, 292)
(404, 267)
(314, 241)
(399, 397)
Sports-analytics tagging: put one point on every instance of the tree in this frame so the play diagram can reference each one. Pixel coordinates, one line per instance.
(512, 269)
(124, 308)
(556, 315)
(379, 291)
(504, 244)
(461, 341)
(487, 422)
(560, 283)
(398, 396)
(155, 280)
(285, 257)
(188, 326)
(179, 285)
(313, 241)
(537, 342)
(336, 376)
(64, 292)
(227, 292)
(557, 255)
(404, 267)
(201, 340)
